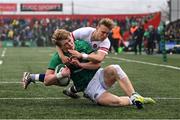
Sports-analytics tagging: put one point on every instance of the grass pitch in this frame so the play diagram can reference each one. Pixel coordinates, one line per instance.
(41, 102)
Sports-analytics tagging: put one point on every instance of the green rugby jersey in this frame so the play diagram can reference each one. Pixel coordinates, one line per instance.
(81, 77)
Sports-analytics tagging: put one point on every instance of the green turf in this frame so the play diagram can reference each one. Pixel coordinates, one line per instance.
(148, 80)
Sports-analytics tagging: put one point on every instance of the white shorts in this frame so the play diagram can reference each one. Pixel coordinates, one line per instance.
(96, 86)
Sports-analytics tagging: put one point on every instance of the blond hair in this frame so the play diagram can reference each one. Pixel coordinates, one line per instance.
(106, 22)
(59, 35)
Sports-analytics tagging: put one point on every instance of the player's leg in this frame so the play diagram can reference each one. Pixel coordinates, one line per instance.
(97, 91)
(125, 84)
(71, 92)
(110, 99)
(128, 88)
(28, 78)
(113, 73)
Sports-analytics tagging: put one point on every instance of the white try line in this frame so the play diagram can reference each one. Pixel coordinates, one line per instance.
(146, 63)
(63, 98)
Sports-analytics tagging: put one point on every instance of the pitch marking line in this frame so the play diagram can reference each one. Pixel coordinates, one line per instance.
(166, 98)
(2, 55)
(1, 62)
(3, 52)
(13, 82)
(146, 63)
(38, 98)
(21, 82)
(62, 98)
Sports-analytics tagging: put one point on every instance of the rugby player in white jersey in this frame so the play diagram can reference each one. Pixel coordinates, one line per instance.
(97, 38)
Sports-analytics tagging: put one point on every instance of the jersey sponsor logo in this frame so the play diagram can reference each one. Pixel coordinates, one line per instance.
(95, 95)
(95, 46)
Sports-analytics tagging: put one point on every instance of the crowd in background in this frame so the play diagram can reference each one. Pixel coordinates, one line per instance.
(39, 31)
(173, 30)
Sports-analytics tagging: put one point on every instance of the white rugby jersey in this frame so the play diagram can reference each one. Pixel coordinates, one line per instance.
(85, 33)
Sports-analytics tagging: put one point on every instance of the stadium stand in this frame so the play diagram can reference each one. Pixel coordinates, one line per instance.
(172, 35)
(28, 30)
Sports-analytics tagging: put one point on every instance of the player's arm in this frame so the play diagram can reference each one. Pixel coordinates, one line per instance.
(51, 77)
(87, 65)
(64, 58)
(90, 65)
(96, 57)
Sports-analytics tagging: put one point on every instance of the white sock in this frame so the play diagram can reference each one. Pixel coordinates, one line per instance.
(35, 77)
(130, 101)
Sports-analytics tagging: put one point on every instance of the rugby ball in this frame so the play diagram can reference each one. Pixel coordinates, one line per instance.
(64, 81)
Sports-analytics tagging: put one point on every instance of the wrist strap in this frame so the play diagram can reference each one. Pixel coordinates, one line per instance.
(84, 56)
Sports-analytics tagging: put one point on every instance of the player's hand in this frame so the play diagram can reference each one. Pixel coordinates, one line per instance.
(66, 72)
(65, 59)
(75, 53)
(75, 62)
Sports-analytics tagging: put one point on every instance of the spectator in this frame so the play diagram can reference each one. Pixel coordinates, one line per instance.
(138, 37)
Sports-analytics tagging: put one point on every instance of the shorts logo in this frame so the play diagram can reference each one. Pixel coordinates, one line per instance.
(95, 95)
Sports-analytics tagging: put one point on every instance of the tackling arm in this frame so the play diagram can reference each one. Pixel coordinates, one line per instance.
(88, 65)
(95, 57)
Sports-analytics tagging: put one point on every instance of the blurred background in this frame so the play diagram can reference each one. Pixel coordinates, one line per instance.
(30, 23)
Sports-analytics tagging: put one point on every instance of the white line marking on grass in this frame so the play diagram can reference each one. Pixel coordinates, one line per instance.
(10, 82)
(147, 63)
(3, 52)
(2, 55)
(63, 98)
(166, 98)
(39, 98)
(38, 82)
(18, 83)
(1, 62)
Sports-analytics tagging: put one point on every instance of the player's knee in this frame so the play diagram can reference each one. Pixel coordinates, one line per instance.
(119, 71)
(110, 72)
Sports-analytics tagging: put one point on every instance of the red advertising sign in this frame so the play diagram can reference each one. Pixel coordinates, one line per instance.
(43, 7)
(8, 7)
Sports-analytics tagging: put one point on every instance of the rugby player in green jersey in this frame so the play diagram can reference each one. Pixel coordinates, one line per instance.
(89, 78)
